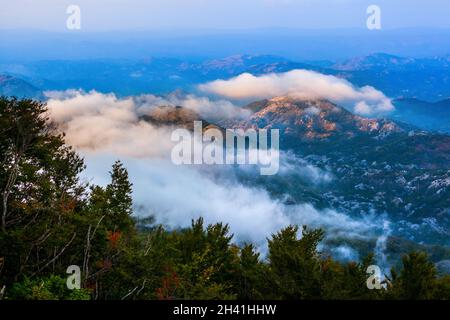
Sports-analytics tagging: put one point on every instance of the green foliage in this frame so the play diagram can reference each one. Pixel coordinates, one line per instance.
(49, 288)
(417, 279)
(295, 263)
(252, 275)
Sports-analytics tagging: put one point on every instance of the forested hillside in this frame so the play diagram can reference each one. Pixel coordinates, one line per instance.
(50, 220)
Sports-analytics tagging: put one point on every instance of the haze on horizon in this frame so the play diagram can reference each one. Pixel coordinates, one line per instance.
(113, 15)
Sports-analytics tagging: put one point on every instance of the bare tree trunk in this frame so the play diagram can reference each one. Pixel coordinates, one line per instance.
(86, 255)
(2, 292)
(11, 181)
(4, 212)
(20, 146)
(87, 250)
(7, 191)
(57, 256)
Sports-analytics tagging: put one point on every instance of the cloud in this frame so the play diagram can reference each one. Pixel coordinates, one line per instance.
(291, 164)
(177, 194)
(103, 128)
(209, 109)
(302, 84)
(345, 253)
(96, 122)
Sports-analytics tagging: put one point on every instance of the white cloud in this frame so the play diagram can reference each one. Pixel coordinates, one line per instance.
(104, 128)
(96, 122)
(178, 194)
(209, 109)
(302, 84)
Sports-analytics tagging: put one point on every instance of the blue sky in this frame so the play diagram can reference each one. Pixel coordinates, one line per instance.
(107, 15)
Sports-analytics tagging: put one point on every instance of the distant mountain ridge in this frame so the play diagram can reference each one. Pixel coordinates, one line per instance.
(13, 86)
(398, 77)
(401, 78)
(431, 116)
(376, 60)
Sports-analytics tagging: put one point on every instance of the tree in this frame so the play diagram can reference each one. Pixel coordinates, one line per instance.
(39, 189)
(110, 232)
(207, 261)
(115, 200)
(49, 220)
(295, 263)
(417, 279)
(252, 280)
(120, 190)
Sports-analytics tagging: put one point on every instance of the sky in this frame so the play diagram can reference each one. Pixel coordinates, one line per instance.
(110, 15)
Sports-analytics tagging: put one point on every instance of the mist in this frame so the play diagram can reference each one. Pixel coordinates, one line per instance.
(104, 128)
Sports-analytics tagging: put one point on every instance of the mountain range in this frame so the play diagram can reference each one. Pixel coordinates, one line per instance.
(431, 116)
(379, 166)
(419, 87)
(398, 77)
(14, 86)
(397, 166)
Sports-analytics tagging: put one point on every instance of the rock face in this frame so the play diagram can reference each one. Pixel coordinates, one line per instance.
(177, 116)
(314, 120)
(172, 116)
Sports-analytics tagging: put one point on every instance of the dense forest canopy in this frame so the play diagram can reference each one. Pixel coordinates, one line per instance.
(50, 221)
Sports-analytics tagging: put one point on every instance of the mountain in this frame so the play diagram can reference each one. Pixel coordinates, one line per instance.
(376, 168)
(176, 116)
(314, 119)
(374, 61)
(156, 75)
(398, 77)
(13, 86)
(432, 116)
(378, 165)
(254, 64)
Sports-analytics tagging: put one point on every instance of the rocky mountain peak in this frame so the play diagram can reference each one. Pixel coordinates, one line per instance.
(313, 119)
(172, 116)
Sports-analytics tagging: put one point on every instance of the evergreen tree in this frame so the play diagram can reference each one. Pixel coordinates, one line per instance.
(39, 191)
(417, 279)
(295, 263)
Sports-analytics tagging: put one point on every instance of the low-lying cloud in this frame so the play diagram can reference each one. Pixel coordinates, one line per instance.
(302, 84)
(96, 122)
(103, 122)
(177, 194)
(212, 110)
(104, 128)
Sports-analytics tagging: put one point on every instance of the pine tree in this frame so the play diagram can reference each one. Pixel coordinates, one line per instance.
(417, 279)
(120, 190)
(295, 263)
